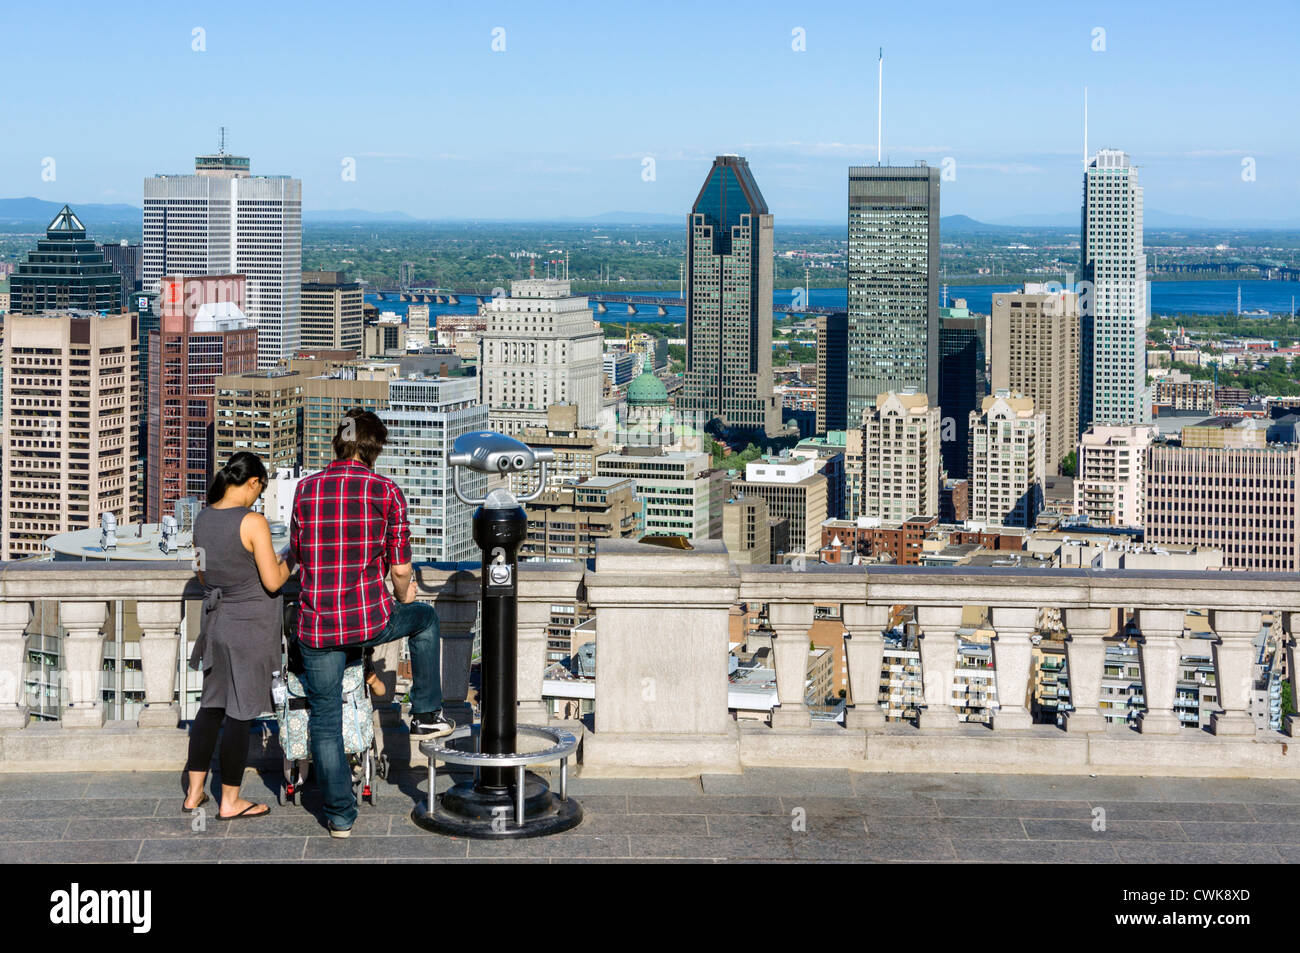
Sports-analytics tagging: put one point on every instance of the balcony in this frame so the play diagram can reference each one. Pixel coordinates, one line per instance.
(675, 759)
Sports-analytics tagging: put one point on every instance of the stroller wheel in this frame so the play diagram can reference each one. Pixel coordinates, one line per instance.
(382, 767)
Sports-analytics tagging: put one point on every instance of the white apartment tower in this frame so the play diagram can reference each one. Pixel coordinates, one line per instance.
(1007, 461)
(221, 221)
(1114, 306)
(541, 347)
(892, 460)
(425, 415)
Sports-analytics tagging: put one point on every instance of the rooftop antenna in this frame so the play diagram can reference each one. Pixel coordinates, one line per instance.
(880, 103)
(1085, 129)
(221, 142)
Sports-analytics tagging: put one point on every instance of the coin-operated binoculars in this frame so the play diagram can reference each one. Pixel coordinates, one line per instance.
(503, 800)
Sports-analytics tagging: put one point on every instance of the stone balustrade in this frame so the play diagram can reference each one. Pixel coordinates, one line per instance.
(662, 632)
(671, 622)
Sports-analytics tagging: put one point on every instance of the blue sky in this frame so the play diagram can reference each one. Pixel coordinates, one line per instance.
(560, 121)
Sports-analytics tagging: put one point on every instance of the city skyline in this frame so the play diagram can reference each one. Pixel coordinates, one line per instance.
(436, 142)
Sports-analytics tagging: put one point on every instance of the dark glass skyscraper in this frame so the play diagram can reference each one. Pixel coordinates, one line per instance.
(65, 271)
(893, 300)
(961, 386)
(729, 302)
(832, 371)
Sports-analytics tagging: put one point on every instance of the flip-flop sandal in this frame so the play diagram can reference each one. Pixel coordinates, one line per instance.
(190, 810)
(244, 813)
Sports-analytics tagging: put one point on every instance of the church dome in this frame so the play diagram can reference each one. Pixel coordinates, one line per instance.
(646, 390)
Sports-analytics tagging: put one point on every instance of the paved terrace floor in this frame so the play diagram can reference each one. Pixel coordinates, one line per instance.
(135, 818)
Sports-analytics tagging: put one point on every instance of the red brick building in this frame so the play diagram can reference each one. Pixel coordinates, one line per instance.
(202, 334)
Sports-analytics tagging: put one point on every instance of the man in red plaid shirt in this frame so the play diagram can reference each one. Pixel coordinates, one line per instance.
(349, 531)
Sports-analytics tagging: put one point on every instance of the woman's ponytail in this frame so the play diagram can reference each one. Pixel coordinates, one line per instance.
(239, 469)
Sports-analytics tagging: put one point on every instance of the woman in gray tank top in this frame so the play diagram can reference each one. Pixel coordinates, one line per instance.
(239, 640)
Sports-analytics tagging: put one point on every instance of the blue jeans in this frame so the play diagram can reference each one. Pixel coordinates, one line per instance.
(323, 680)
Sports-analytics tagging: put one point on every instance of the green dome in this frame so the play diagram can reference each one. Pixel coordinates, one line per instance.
(646, 389)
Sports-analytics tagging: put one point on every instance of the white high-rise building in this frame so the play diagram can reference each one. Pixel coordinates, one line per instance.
(425, 415)
(1114, 305)
(221, 221)
(541, 347)
(1007, 462)
(892, 459)
(1108, 485)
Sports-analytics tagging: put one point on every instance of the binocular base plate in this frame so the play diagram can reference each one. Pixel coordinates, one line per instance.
(464, 811)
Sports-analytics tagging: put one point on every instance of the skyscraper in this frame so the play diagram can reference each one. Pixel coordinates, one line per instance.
(1114, 306)
(126, 260)
(892, 459)
(541, 347)
(425, 416)
(65, 271)
(832, 371)
(1034, 352)
(71, 408)
(961, 382)
(729, 302)
(203, 335)
(1006, 461)
(893, 267)
(331, 307)
(222, 221)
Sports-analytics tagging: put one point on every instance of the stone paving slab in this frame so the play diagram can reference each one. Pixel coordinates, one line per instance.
(1007, 807)
(781, 781)
(1036, 852)
(1157, 853)
(772, 815)
(36, 808)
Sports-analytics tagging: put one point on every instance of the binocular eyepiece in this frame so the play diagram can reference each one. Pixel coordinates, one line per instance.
(489, 452)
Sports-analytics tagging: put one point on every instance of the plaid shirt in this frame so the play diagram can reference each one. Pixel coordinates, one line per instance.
(349, 527)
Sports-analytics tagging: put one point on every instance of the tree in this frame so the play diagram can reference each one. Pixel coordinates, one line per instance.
(1070, 463)
(1288, 706)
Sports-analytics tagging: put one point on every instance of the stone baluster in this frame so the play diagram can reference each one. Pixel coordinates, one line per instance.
(791, 622)
(539, 589)
(1012, 649)
(1160, 649)
(457, 605)
(865, 648)
(939, 625)
(1234, 658)
(1085, 656)
(83, 662)
(159, 649)
(14, 617)
(1289, 624)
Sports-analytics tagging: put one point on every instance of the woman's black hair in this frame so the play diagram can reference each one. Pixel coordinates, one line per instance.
(239, 469)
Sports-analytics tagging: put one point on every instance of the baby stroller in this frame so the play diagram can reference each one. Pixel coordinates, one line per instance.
(361, 741)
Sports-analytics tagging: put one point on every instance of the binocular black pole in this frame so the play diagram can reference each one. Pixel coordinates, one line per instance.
(486, 807)
(498, 533)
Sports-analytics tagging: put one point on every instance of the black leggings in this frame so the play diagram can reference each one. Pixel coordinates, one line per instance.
(234, 744)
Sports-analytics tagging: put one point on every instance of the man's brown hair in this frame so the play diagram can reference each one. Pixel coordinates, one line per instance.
(362, 433)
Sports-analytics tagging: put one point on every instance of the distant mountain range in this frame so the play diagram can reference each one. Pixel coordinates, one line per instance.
(36, 213)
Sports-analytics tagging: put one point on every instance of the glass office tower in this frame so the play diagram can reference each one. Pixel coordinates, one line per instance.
(893, 267)
(65, 271)
(729, 302)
